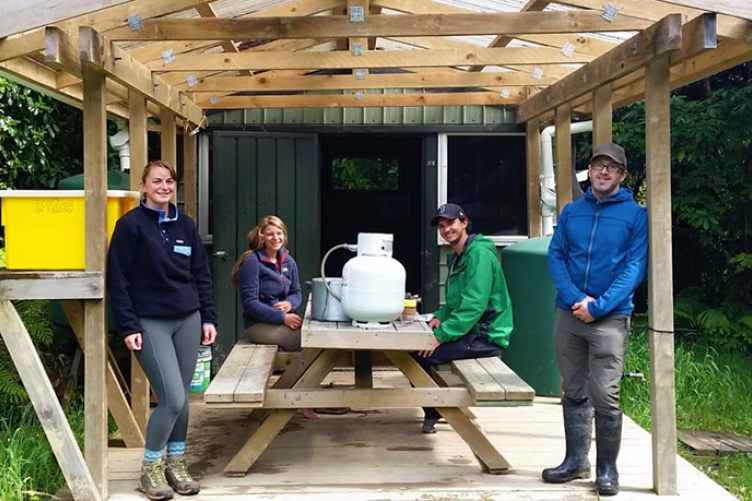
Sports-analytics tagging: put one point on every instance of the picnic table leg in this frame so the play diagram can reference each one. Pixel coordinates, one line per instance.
(441, 382)
(489, 457)
(363, 369)
(310, 377)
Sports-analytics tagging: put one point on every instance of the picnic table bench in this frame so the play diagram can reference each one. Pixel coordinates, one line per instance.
(245, 381)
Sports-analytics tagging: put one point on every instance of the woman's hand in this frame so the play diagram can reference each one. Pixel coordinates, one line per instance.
(293, 321)
(133, 342)
(209, 334)
(285, 306)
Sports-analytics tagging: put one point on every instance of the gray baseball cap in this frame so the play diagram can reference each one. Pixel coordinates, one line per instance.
(612, 151)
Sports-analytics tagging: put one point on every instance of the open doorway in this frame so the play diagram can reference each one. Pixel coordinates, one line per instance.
(372, 183)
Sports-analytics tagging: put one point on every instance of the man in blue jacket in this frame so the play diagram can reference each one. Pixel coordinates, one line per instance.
(597, 258)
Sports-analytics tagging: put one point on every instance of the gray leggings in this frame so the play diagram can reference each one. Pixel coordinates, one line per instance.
(168, 354)
(281, 335)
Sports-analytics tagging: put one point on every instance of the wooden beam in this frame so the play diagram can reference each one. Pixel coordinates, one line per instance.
(46, 405)
(51, 285)
(563, 123)
(737, 8)
(534, 225)
(366, 101)
(95, 315)
(132, 435)
(663, 37)
(602, 115)
(17, 14)
(277, 82)
(374, 59)
(660, 279)
(485, 23)
(112, 61)
(652, 10)
(168, 139)
(190, 176)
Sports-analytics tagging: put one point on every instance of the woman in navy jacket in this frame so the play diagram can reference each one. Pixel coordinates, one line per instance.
(266, 276)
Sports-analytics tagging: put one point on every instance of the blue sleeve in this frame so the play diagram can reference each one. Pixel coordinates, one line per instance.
(634, 271)
(120, 259)
(557, 263)
(202, 276)
(295, 296)
(248, 286)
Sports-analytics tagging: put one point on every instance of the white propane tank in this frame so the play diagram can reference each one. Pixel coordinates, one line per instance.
(373, 283)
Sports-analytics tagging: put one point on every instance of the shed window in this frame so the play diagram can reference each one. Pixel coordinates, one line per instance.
(486, 175)
(365, 174)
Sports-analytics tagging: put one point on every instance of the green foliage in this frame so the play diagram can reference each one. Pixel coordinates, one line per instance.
(40, 139)
(28, 468)
(712, 393)
(365, 174)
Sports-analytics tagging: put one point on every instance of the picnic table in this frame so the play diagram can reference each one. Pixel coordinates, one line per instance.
(243, 381)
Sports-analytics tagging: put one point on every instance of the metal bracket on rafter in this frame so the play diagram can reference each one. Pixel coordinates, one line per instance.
(192, 80)
(360, 74)
(357, 14)
(537, 73)
(568, 49)
(214, 100)
(609, 13)
(168, 56)
(135, 23)
(504, 93)
(356, 49)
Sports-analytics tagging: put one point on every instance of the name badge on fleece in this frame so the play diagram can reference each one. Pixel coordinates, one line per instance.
(182, 249)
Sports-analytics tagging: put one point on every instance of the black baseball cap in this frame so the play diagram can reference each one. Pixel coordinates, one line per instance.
(448, 211)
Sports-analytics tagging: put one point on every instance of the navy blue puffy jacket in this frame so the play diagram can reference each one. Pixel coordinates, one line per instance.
(262, 283)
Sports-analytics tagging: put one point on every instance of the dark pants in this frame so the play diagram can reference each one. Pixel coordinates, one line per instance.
(468, 346)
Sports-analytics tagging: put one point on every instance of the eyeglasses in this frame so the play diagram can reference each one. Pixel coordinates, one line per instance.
(611, 168)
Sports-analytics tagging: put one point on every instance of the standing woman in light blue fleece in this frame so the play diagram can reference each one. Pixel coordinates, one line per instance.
(160, 290)
(266, 276)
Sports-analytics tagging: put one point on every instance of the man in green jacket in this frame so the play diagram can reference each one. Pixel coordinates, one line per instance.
(476, 320)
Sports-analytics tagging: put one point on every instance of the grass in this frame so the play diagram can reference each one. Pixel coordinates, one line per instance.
(28, 468)
(712, 393)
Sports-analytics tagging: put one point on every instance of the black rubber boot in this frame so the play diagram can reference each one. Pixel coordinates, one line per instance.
(608, 443)
(578, 428)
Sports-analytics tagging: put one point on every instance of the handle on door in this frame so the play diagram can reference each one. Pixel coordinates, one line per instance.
(221, 255)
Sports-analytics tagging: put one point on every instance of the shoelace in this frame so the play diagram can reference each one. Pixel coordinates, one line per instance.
(156, 473)
(180, 468)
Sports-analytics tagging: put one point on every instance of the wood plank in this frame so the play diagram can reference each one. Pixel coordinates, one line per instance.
(367, 340)
(51, 285)
(736, 8)
(602, 115)
(381, 398)
(169, 141)
(563, 173)
(137, 137)
(112, 61)
(532, 145)
(363, 370)
(486, 23)
(478, 381)
(129, 428)
(190, 176)
(364, 101)
(43, 398)
(708, 443)
(17, 16)
(515, 387)
(660, 283)
(95, 314)
(222, 388)
(663, 37)
(254, 379)
(270, 428)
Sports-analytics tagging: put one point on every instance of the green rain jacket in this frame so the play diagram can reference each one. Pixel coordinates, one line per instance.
(477, 300)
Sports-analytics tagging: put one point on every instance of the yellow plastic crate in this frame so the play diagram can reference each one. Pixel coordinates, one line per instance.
(44, 230)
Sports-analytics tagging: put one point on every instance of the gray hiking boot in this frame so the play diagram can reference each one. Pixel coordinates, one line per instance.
(179, 478)
(153, 482)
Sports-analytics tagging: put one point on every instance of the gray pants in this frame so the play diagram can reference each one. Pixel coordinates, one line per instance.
(168, 356)
(281, 335)
(591, 358)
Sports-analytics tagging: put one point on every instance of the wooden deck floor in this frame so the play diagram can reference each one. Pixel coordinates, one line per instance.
(372, 454)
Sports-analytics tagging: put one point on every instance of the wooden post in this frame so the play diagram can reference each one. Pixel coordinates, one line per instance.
(43, 398)
(169, 142)
(534, 225)
(190, 168)
(602, 115)
(95, 316)
(660, 283)
(137, 132)
(563, 157)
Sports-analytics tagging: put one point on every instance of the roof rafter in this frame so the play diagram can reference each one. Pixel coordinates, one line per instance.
(738, 8)
(399, 25)
(46, 12)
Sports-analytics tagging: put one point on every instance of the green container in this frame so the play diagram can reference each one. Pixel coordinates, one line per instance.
(202, 374)
(531, 353)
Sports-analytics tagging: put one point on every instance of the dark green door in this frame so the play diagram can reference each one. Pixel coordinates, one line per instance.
(255, 175)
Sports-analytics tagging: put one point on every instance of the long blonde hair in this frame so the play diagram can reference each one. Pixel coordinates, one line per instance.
(256, 243)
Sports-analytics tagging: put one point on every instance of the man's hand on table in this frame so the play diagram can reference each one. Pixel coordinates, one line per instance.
(428, 353)
(435, 322)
